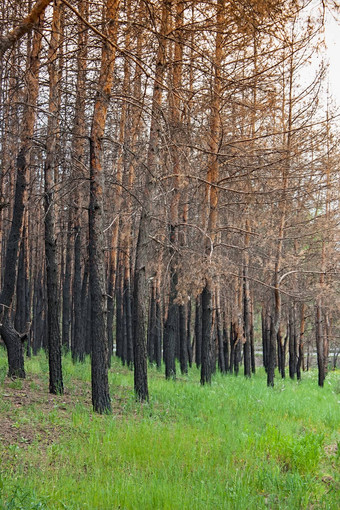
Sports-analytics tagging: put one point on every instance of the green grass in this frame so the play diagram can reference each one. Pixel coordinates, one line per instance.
(233, 445)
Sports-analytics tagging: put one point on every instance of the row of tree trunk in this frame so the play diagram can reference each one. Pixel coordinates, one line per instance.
(104, 294)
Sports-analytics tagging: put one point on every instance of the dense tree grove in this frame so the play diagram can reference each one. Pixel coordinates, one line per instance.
(169, 187)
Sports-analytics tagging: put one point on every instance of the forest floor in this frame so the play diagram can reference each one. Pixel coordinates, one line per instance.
(233, 445)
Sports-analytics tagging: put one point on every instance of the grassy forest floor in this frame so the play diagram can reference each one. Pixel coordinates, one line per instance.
(234, 445)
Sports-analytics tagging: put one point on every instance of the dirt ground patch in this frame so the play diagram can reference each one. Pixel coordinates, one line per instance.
(17, 397)
(21, 401)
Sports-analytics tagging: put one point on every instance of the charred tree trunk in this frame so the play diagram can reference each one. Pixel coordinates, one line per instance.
(188, 333)
(9, 335)
(265, 345)
(139, 313)
(170, 331)
(153, 163)
(119, 317)
(226, 348)
(292, 343)
(99, 359)
(206, 366)
(128, 322)
(15, 352)
(246, 319)
(78, 143)
(52, 277)
(22, 311)
(252, 344)
(198, 331)
(183, 339)
(319, 344)
(78, 349)
(271, 354)
(66, 313)
(232, 347)
(151, 325)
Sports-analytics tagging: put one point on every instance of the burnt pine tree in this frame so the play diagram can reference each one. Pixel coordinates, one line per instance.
(99, 359)
(52, 276)
(12, 339)
(141, 263)
(211, 196)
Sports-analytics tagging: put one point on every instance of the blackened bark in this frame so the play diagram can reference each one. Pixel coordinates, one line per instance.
(280, 360)
(246, 322)
(128, 323)
(319, 344)
(38, 314)
(299, 362)
(158, 334)
(171, 331)
(124, 324)
(220, 338)
(50, 170)
(139, 312)
(265, 339)
(151, 326)
(252, 346)
(183, 339)
(237, 354)
(53, 329)
(15, 360)
(66, 308)
(99, 360)
(22, 311)
(282, 354)
(271, 355)
(78, 344)
(110, 310)
(87, 323)
(119, 318)
(189, 346)
(247, 358)
(206, 362)
(198, 331)
(226, 349)
(14, 345)
(232, 347)
(292, 343)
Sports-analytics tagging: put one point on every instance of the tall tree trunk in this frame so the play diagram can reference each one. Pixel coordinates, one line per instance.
(11, 337)
(292, 342)
(252, 340)
(99, 359)
(140, 279)
(319, 343)
(246, 306)
(52, 277)
(198, 331)
(211, 198)
(78, 146)
(66, 307)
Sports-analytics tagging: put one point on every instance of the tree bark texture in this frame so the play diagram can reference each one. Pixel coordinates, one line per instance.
(52, 273)
(99, 359)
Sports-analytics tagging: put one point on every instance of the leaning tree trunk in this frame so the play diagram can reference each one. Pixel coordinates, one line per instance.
(11, 338)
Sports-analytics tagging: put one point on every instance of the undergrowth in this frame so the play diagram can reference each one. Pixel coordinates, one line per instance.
(234, 444)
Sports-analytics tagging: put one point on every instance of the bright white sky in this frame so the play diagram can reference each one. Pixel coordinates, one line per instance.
(333, 52)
